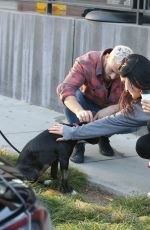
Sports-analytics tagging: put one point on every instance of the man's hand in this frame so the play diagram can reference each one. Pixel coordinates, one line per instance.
(84, 115)
(106, 112)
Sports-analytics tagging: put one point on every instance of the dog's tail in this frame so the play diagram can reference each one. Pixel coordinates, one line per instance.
(9, 142)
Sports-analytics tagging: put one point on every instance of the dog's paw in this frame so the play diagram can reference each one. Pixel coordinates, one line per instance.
(47, 182)
(73, 193)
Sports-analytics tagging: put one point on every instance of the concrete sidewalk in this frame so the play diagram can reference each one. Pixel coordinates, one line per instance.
(123, 174)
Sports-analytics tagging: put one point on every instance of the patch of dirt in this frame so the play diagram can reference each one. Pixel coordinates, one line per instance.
(95, 195)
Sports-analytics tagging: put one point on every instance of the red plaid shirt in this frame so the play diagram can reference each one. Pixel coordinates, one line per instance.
(87, 74)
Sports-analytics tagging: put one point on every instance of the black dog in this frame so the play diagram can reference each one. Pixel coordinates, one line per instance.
(42, 152)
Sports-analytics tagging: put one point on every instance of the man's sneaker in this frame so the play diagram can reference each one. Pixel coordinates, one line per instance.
(78, 153)
(104, 147)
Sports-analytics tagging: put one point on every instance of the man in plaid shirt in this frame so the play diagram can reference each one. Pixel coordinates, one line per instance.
(92, 90)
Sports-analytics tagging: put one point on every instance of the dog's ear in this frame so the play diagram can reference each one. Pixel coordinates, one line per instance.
(92, 141)
(62, 123)
(82, 123)
(74, 124)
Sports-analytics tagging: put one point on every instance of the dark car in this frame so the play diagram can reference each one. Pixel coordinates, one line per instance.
(19, 207)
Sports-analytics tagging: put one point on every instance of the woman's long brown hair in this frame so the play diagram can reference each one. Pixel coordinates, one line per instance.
(126, 102)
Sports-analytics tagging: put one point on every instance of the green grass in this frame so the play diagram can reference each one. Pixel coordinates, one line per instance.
(74, 213)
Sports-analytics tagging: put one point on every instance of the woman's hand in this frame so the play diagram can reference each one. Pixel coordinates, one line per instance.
(57, 129)
(145, 105)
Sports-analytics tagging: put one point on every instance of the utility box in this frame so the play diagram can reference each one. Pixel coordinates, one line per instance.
(59, 9)
(51, 8)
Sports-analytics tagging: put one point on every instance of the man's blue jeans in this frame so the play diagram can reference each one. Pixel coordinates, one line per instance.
(85, 103)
